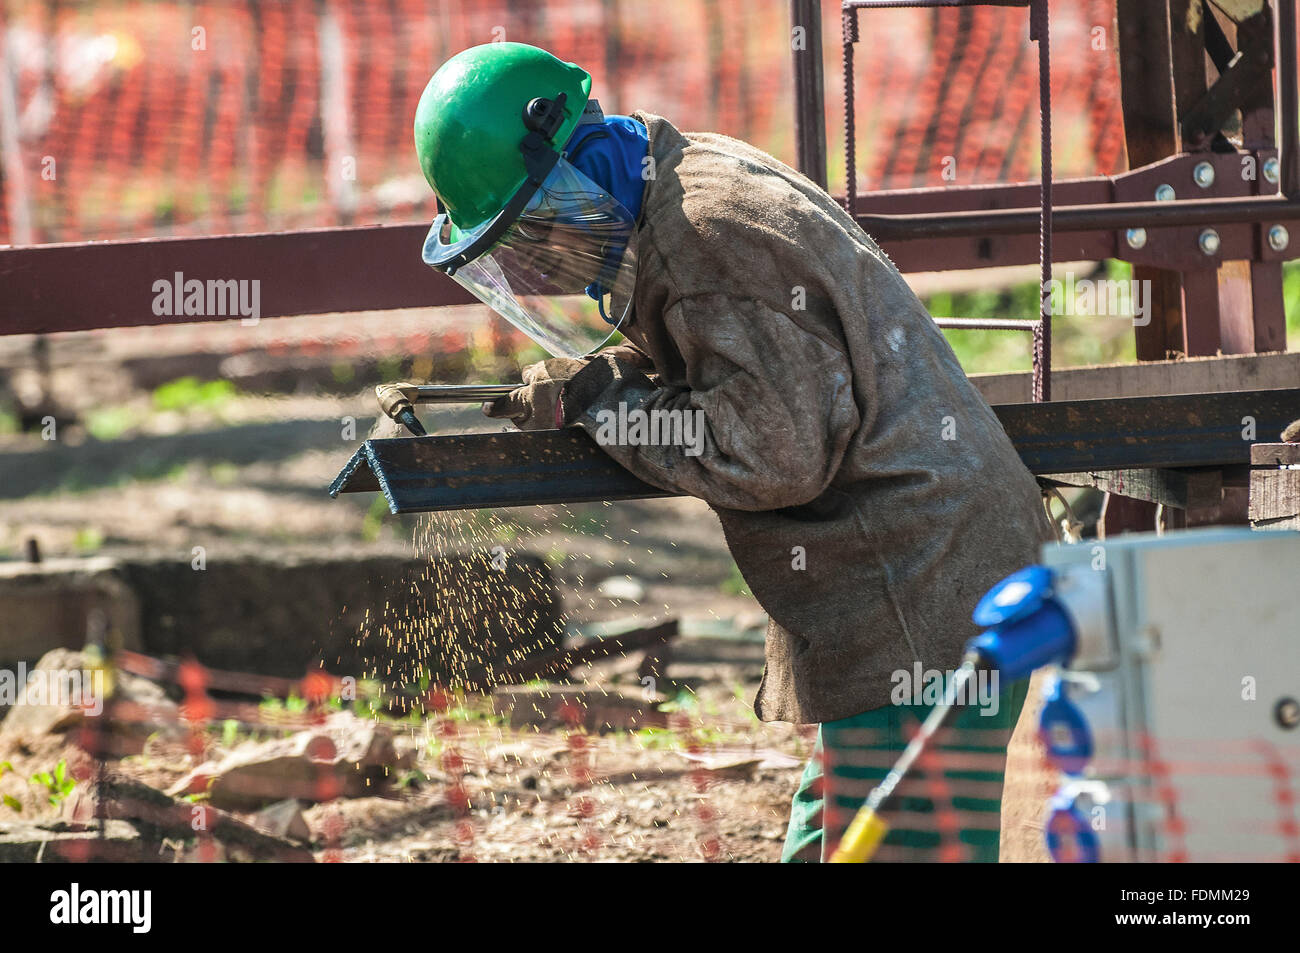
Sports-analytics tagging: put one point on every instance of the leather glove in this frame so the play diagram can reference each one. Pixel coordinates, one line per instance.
(628, 354)
(536, 405)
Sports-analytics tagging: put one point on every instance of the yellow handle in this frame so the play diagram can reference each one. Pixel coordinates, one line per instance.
(861, 839)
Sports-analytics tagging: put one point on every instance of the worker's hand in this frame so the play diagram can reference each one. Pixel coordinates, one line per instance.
(628, 354)
(536, 405)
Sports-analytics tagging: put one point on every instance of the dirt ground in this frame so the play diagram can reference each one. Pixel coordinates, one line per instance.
(128, 473)
(712, 785)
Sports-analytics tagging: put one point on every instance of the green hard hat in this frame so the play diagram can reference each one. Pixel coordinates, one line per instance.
(470, 122)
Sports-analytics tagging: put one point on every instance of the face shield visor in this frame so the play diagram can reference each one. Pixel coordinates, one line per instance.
(559, 263)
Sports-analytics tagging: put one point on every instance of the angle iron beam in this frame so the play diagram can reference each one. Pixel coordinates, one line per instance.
(471, 471)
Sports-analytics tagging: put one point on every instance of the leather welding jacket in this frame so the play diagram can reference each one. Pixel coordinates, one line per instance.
(868, 493)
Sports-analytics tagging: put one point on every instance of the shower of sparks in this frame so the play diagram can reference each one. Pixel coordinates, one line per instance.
(481, 601)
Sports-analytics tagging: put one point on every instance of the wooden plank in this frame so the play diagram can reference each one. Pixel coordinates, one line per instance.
(1275, 499)
(1205, 375)
(1184, 489)
(1268, 307)
(1119, 515)
(1275, 455)
(558, 660)
(1201, 313)
(1236, 309)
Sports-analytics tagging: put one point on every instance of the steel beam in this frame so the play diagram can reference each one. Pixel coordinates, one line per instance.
(1082, 218)
(76, 287)
(471, 471)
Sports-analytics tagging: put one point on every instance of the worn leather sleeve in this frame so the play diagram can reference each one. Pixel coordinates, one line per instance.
(772, 407)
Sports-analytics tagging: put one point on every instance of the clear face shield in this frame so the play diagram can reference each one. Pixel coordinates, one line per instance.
(561, 270)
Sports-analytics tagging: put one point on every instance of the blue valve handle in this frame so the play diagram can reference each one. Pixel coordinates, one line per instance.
(1025, 626)
(1070, 838)
(1065, 733)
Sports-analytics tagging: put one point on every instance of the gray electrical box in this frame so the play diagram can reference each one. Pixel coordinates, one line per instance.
(1190, 704)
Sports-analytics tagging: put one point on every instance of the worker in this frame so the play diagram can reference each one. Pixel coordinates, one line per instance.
(867, 492)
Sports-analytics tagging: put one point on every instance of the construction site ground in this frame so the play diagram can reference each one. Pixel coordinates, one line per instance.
(143, 465)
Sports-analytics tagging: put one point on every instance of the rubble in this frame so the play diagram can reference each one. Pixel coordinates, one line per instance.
(284, 819)
(64, 685)
(560, 706)
(343, 757)
(170, 829)
(57, 841)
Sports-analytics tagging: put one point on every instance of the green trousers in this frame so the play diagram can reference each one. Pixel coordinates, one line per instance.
(853, 754)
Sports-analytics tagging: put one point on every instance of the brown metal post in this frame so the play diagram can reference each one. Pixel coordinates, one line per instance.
(1259, 324)
(1150, 134)
(1288, 101)
(1201, 334)
(809, 89)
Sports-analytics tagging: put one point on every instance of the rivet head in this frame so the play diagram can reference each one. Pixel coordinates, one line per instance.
(1203, 174)
(1136, 237)
(1278, 238)
(1209, 241)
(1272, 169)
(1165, 193)
(1287, 712)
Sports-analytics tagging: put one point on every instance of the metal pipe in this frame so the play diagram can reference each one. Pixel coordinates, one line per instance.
(978, 223)
(901, 4)
(1039, 30)
(460, 393)
(987, 324)
(849, 31)
(809, 86)
(1288, 100)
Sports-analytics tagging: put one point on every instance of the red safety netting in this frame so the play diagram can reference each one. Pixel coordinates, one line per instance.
(148, 118)
(1164, 801)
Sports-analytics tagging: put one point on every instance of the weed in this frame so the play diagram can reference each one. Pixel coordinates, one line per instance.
(88, 539)
(186, 393)
(58, 784)
(9, 800)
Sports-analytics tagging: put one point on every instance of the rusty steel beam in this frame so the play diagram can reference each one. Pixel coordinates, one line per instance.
(76, 287)
(1083, 218)
(472, 471)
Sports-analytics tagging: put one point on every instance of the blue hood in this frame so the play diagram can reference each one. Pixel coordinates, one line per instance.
(612, 154)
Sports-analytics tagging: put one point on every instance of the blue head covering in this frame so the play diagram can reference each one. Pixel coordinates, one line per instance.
(610, 150)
